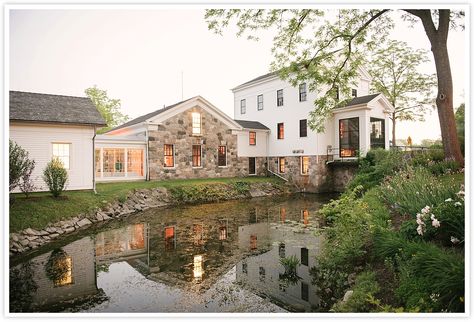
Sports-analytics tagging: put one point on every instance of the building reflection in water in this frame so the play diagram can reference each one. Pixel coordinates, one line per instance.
(198, 269)
(170, 238)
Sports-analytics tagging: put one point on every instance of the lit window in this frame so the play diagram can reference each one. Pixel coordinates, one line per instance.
(61, 151)
(260, 102)
(222, 156)
(282, 215)
(198, 270)
(252, 138)
(280, 131)
(169, 155)
(305, 215)
(223, 233)
(302, 92)
(304, 165)
(196, 123)
(280, 97)
(170, 238)
(137, 236)
(196, 156)
(113, 162)
(135, 162)
(348, 137)
(63, 265)
(253, 242)
(281, 164)
(243, 106)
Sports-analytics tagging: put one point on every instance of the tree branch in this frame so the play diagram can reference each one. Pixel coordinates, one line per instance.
(427, 21)
(296, 30)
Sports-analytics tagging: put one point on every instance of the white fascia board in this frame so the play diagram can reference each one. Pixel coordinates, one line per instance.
(257, 82)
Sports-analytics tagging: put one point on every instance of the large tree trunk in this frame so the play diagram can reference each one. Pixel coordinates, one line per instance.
(444, 100)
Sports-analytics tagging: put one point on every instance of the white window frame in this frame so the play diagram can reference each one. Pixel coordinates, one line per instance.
(301, 165)
(244, 105)
(258, 102)
(69, 156)
(193, 114)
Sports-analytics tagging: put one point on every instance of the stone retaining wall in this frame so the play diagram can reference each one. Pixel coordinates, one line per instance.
(137, 200)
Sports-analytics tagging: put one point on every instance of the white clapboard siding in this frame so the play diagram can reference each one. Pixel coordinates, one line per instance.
(38, 140)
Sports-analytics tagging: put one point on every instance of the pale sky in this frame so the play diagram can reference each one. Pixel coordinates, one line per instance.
(138, 56)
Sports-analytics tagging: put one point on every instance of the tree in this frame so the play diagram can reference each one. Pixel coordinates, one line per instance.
(20, 165)
(109, 108)
(460, 125)
(326, 49)
(55, 176)
(394, 73)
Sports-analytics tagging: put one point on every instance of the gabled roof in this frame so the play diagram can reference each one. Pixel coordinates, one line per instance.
(49, 108)
(252, 125)
(362, 99)
(257, 79)
(145, 117)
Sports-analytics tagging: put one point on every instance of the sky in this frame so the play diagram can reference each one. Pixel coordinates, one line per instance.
(140, 56)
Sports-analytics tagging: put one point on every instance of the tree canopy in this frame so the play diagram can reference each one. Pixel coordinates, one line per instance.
(109, 108)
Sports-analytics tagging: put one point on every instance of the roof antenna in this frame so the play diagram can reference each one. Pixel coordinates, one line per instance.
(182, 85)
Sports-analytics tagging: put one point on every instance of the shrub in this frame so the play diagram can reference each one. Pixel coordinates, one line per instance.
(55, 176)
(20, 165)
(26, 185)
(365, 287)
(414, 188)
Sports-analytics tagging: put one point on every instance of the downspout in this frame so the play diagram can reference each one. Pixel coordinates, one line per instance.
(147, 166)
(93, 161)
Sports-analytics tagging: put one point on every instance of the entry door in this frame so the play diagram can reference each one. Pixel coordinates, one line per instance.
(252, 167)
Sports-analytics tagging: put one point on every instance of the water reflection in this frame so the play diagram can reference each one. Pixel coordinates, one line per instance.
(180, 260)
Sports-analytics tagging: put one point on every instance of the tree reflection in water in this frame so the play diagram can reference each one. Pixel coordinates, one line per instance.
(22, 287)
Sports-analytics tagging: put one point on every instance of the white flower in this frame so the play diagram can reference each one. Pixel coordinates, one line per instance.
(425, 210)
(419, 230)
(457, 204)
(432, 217)
(448, 200)
(454, 240)
(435, 223)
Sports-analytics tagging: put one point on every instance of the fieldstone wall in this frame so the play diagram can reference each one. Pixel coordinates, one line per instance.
(321, 177)
(177, 130)
(342, 173)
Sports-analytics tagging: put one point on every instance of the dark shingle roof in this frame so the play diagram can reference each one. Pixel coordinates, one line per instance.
(253, 125)
(362, 99)
(145, 117)
(36, 107)
(257, 79)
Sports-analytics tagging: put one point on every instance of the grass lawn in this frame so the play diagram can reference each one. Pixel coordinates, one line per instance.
(40, 208)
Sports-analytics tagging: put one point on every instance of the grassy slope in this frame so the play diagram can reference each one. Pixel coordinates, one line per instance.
(40, 208)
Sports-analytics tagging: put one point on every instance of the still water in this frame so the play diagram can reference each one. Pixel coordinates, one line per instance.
(223, 257)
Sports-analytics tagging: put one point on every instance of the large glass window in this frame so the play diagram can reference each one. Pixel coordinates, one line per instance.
(252, 138)
(348, 137)
(304, 165)
(280, 131)
(113, 162)
(243, 106)
(280, 97)
(169, 155)
(260, 102)
(302, 92)
(222, 156)
(61, 151)
(196, 156)
(98, 168)
(196, 123)
(135, 162)
(377, 133)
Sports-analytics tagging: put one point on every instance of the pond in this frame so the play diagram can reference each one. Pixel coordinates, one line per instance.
(222, 257)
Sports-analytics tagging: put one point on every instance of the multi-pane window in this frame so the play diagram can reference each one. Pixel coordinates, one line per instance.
(260, 102)
(196, 156)
(280, 97)
(303, 128)
(243, 106)
(354, 92)
(252, 138)
(261, 273)
(304, 291)
(135, 162)
(348, 137)
(169, 155)
(304, 165)
(377, 133)
(196, 123)
(281, 164)
(113, 162)
(64, 277)
(304, 256)
(222, 156)
(280, 131)
(302, 91)
(62, 151)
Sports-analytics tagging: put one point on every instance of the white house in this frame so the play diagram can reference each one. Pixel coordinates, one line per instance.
(59, 126)
(293, 150)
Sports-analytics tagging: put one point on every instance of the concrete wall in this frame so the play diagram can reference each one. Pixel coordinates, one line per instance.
(38, 140)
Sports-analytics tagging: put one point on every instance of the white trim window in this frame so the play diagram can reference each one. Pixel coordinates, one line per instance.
(222, 156)
(168, 151)
(260, 102)
(280, 97)
(281, 164)
(62, 151)
(196, 117)
(243, 106)
(197, 156)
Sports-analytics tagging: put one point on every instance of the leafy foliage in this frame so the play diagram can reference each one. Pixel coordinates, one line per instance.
(55, 176)
(57, 267)
(365, 287)
(290, 276)
(21, 168)
(22, 287)
(109, 108)
(459, 116)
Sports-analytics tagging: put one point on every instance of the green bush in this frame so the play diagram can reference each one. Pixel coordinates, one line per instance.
(20, 168)
(365, 287)
(377, 164)
(412, 189)
(55, 176)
